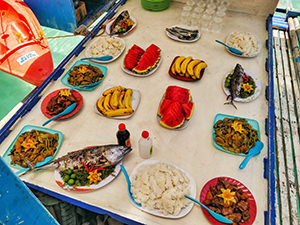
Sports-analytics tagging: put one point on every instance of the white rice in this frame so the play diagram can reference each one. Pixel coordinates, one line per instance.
(245, 42)
(106, 46)
(161, 187)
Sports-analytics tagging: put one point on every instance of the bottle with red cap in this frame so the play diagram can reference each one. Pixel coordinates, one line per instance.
(123, 136)
(145, 145)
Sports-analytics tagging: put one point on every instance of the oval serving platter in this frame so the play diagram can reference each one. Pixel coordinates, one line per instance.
(27, 128)
(183, 211)
(109, 24)
(253, 123)
(135, 101)
(183, 77)
(251, 200)
(88, 54)
(92, 187)
(47, 99)
(250, 98)
(243, 56)
(181, 40)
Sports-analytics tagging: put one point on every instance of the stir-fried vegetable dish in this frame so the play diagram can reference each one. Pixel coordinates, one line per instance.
(34, 146)
(84, 74)
(235, 135)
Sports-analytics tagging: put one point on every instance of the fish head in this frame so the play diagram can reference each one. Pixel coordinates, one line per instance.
(115, 153)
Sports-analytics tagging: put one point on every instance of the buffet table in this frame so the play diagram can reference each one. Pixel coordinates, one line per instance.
(192, 148)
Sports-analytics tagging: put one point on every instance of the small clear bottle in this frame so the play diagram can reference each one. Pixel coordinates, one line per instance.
(145, 145)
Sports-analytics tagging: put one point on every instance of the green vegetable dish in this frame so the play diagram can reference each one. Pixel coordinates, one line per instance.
(76, 178)
(248, 87)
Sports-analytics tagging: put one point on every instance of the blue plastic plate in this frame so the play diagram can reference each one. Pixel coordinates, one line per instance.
(64, 79)
(26, 128)
(218, 117)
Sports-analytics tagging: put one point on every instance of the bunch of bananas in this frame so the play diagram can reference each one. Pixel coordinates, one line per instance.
(115, 101)
(188, 67)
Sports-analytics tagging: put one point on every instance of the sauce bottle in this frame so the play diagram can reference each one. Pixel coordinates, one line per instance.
(123, 136)
(145, 145)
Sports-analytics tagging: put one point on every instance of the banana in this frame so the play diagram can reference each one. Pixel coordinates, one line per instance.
(114, 100)
(127, 98)
(111, 90)
(198, 68)
(106, 102)
(100, 104)
(173, 69)
(186, 74)
(178, 63)
(191, 65)
(184, 64)
(194, 77)
(119, 112)
(120, 103)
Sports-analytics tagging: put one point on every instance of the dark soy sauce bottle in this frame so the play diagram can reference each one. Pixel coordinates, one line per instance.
(123, 136)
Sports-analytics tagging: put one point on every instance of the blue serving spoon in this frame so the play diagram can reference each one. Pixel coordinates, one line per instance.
(129, 185)
(217, 216)
(69, 109)
(84, 86)
(233, 50)
(252, 152)
(101, 59)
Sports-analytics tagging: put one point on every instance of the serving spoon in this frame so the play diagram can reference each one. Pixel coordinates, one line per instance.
(129, 185)
(101, 59)
(252, 152)
(215, 215)
(84, 86)
(233, 50)
(69, 109)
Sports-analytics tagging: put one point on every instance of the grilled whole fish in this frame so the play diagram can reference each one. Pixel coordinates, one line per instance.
(183, 33)
(236, 82)
(99, 156)
(116, 24)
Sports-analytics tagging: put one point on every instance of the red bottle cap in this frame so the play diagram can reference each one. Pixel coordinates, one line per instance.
(122, 126)
(145, 134)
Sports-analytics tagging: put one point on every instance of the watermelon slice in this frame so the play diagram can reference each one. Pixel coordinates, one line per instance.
(178, 94)
(188, 109)
(173, 117)
(133, 56)
(164, 105)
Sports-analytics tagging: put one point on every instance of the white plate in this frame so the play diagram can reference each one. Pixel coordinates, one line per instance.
(109, 24)
(87, 52)
(92, 187)
(250, 98)
(135, 101)
(244, 56)
(184, 211)
(141, 75)
(184, 27)
(185, 123)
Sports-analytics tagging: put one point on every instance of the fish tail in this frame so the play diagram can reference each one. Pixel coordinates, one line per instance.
(231, 103)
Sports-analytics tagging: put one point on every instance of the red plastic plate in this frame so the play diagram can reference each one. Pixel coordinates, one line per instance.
(183, 78)
(251, 200)
(52, 94)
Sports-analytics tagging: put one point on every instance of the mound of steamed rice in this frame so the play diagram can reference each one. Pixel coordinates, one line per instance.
(106, 46)
(246, 42)
(161, 187)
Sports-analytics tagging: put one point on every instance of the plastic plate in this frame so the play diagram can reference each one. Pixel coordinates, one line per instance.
(251, 200)
(250, 98)
(184, 211)
(47, 99)
(181, 40)
(109, 24)
(92, 187)
(218, 117)
(141, 75)
(183, 78)
(244, 56)
(26, 128)
(64, 79)
(135, 101)
(94, 42)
